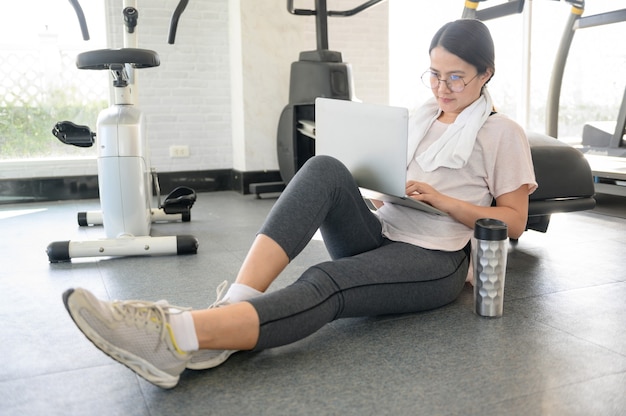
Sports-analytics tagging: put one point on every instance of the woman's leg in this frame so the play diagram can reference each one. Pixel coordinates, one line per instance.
(230, 327)
(322, 195)
(395, 278)
(263, 263)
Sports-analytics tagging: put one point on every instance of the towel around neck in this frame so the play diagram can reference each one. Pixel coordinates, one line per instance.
(454, 147)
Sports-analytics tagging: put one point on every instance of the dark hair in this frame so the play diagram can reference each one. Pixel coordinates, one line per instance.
(470, 40)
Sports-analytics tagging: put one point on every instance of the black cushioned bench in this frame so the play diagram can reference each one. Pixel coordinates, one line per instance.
(564, 177)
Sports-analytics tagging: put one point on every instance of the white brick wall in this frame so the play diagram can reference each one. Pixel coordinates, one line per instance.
(187, 100)
(363, 40)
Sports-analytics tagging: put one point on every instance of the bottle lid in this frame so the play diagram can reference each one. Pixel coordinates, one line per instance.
(490, 229)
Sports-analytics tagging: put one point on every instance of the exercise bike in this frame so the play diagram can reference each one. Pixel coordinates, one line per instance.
(125, 179)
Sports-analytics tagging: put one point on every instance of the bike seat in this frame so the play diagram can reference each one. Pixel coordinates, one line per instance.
(105, 58)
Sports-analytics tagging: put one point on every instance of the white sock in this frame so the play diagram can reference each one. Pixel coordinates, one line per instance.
(182, 323)
(184, 331)
(238, 292)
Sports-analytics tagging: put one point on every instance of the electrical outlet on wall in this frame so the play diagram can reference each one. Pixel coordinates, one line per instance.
(179, 151)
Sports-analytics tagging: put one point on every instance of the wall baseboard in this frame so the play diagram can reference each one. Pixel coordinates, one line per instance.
(242, 180)
(25, 190)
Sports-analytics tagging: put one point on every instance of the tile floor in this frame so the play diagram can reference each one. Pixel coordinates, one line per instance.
(559, 349)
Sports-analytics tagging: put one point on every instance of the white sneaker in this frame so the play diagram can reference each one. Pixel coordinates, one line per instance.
(135, 333)
(205, 359)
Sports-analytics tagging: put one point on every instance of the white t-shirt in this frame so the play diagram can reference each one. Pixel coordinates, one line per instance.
(500, 163)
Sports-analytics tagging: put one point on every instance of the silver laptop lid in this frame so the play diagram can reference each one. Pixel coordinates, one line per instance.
(370, 139)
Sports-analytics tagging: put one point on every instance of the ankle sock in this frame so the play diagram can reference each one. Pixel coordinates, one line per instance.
(182, 323)
(238, 292)
(184, 331)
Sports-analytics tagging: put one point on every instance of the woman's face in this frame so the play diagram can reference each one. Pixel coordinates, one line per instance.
(446, 64)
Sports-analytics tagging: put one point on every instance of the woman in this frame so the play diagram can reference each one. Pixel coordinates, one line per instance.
(397, 260)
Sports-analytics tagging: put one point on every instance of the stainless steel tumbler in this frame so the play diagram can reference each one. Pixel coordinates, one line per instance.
(489, 266)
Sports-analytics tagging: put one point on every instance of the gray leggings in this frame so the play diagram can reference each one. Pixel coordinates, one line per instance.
(368, 275)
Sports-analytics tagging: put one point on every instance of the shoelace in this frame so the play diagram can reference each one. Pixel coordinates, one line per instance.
(143, 314)
(220, 292)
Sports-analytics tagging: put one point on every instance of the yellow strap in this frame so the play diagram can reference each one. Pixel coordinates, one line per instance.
(577, 10)
(469, 4)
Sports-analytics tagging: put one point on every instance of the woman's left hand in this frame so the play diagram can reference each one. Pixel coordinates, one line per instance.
(511, 207)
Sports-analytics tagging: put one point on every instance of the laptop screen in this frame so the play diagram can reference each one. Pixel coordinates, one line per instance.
(370, 139)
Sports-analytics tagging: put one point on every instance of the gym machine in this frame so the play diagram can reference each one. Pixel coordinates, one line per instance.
(318, 73)
(125, 179)
(602, 141)
(603, 138)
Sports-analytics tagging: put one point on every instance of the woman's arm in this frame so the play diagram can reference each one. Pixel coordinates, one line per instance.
(377, 204)
(512, 207)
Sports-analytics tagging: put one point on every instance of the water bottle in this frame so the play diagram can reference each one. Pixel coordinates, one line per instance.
(489, 266)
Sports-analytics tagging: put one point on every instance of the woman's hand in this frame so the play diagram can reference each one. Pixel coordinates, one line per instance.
(421, 191)
(512, 207)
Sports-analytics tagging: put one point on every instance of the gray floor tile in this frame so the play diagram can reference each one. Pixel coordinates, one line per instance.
(599, 396)
(98, 390)
(558, 349)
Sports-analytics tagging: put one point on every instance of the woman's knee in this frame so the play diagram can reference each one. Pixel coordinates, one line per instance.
(323, 166)
(318, 277)
(323, 162)
(322, 287)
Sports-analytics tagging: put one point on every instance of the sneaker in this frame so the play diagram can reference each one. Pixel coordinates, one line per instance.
(205, 359)
(135, 333)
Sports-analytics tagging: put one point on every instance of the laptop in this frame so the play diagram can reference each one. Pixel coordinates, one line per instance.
(371, 140)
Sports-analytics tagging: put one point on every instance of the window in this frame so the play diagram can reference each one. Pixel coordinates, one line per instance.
(39, 81)
(585, 95)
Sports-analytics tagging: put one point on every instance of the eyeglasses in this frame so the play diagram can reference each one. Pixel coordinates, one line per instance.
(454, 83)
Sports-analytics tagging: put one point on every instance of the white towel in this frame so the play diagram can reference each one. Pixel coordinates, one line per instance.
(454, 147)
